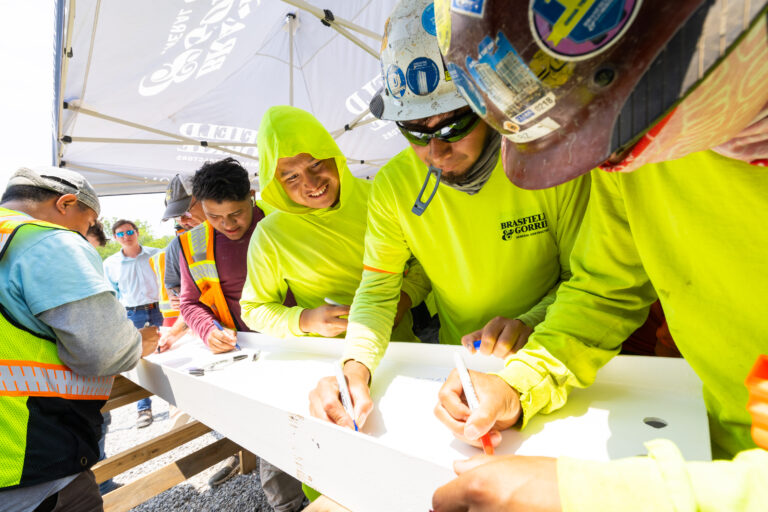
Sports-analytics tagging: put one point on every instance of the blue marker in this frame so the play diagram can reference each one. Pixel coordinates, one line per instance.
(476, 344)
(219, 327)
(346, 399)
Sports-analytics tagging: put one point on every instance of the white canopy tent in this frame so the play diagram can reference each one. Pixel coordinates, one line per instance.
(147, 89)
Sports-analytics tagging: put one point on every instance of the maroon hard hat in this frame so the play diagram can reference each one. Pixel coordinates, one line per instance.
(570, 83)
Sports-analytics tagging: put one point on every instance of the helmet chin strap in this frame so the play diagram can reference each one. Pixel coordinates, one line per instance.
(474, 178)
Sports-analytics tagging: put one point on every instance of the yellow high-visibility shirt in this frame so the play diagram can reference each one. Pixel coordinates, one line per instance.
(500, 252)
(318, 253)
(692, 232)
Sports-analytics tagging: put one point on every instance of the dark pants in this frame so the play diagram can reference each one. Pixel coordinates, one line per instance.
(140, 318)
(81, 495)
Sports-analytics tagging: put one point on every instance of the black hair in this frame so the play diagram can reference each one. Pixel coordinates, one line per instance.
(29, 193)
(121, 222)
(225, 180)
(97, 230)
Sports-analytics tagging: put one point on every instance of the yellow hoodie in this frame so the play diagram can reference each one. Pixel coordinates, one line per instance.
(692, 233)
(318, 253)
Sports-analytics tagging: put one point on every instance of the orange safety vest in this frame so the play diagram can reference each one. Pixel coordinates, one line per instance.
(197, 246)
(157, 262)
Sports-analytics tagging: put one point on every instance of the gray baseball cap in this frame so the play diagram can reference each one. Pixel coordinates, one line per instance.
(58, 180)
(178, 195)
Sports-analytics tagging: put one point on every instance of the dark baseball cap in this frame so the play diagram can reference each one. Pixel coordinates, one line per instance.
(178, 195)
(57, 179)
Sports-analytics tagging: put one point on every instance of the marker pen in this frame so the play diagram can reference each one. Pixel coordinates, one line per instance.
(219, 327)
(346, 400)
(472, 401)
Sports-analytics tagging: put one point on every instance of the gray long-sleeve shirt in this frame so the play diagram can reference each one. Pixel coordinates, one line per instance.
(81, 328)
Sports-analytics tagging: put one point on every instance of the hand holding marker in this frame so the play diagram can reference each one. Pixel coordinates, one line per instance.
(219, 327)
(472, 401)
(346, 400)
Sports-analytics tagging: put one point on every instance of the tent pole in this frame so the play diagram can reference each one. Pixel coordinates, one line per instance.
(63, 55)
(354, 123)
(103, 171)
(327, 18)
(216, 145)
(79, 108)
(290, 19)
(321, 14)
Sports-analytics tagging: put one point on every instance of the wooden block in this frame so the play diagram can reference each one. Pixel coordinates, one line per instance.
(124, 392)
(325, 504)
(138, 491)
(247, 462)
(108, 468)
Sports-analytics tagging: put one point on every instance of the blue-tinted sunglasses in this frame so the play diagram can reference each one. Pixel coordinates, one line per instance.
(125, 233)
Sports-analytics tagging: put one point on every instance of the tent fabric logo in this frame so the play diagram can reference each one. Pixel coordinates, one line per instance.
(206, 46)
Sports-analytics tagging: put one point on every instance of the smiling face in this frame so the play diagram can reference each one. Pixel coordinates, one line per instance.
(308, 181)
(454, 158)
(230, 218)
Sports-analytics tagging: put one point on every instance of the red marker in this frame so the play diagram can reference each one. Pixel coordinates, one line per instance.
(472, 401)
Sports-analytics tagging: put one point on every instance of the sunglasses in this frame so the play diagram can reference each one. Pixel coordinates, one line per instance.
(452, 131)
(125, 233)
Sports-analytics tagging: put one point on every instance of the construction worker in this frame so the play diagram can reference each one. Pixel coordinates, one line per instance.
(181, 206)
(211, 288)
(470, 228)
(313, 242)
(687, 226)
(56, 367)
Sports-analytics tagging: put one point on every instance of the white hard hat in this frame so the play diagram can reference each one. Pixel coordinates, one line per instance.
(416, 83)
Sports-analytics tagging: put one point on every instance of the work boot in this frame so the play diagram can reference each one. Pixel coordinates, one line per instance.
(230, 469)
(144, 419)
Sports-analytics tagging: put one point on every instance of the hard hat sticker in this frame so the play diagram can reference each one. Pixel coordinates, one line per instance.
(474, 8)
(422, 76)
(537, 131)
(428, 19)
(443, 22)
(467, 88)
(535, 110)
(507, 81)
(550, 70)
(395, 81)
(580, 29)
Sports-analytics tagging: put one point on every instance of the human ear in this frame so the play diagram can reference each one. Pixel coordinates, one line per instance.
(64, 202)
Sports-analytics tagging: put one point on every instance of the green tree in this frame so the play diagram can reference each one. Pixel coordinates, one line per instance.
(146, 237)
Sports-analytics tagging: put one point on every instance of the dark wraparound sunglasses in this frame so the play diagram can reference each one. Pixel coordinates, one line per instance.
(452, 131)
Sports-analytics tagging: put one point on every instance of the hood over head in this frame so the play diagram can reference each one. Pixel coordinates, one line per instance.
(287, 131)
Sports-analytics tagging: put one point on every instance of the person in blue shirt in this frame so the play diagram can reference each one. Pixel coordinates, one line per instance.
(132, 277)
(51, 280)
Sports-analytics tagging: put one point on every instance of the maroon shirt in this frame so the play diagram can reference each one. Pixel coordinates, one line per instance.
(231, 265)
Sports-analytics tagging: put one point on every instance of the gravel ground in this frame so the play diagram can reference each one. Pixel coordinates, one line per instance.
(240, 493)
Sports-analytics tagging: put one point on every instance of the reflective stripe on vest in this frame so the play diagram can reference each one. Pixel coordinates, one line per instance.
(46, 375)
(197, 246)
(157, 262)
(28, 378)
